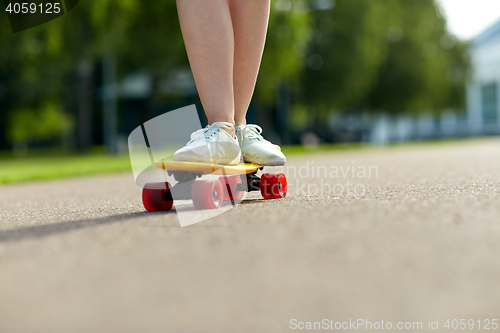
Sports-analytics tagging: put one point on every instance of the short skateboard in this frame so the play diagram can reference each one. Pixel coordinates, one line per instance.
(232, 183)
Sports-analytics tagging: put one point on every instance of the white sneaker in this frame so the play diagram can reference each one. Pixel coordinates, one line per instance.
(256, 149)
(211, 144)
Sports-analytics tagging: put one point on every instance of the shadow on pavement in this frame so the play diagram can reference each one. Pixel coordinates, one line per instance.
(251, 201)
(45, 230)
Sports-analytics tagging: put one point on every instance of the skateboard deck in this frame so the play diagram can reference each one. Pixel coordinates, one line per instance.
(206, 168)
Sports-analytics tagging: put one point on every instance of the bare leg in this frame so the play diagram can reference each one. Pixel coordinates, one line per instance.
(250, 20)
(208, 35)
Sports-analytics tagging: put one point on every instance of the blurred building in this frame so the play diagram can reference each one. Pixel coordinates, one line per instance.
(386, 128)
(483, 92)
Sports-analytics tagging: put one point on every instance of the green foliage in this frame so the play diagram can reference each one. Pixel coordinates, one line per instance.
(392, 55)
(31, 72)
(415, 74)
(458, 69)
(154, 39)
(287, 38)
(345, 52)
(26, 124)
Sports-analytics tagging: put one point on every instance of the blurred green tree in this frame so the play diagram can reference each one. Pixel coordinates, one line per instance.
(97, 33)
(287, 37)
(46, 122)
(421, 69)
(394, 56)
(282, 64)
(30, 73)
(345, 53)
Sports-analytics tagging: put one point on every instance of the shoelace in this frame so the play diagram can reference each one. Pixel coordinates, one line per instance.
(252, 131)
(210, 130)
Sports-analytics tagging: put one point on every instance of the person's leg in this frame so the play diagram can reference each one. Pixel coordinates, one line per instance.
(208, 35)
(250, 19)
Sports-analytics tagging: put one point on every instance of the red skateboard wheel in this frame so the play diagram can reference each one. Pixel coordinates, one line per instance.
(273, 186)
(154, 197)
(230, 187)
(207, 194)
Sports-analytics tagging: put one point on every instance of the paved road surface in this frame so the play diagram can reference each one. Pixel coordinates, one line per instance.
(420, 241)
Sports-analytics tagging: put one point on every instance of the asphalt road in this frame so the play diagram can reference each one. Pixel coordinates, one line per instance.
(418, 240)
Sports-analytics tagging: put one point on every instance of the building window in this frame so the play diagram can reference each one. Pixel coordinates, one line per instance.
(489, 94)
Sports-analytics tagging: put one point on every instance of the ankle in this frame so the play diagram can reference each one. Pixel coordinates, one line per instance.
(230, 128)
(231, 131)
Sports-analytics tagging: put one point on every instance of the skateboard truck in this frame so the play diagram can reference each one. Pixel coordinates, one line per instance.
(252, 182)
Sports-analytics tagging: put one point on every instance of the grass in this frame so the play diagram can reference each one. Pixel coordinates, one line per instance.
(47, 168)
(50, 164)
(300, 150)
